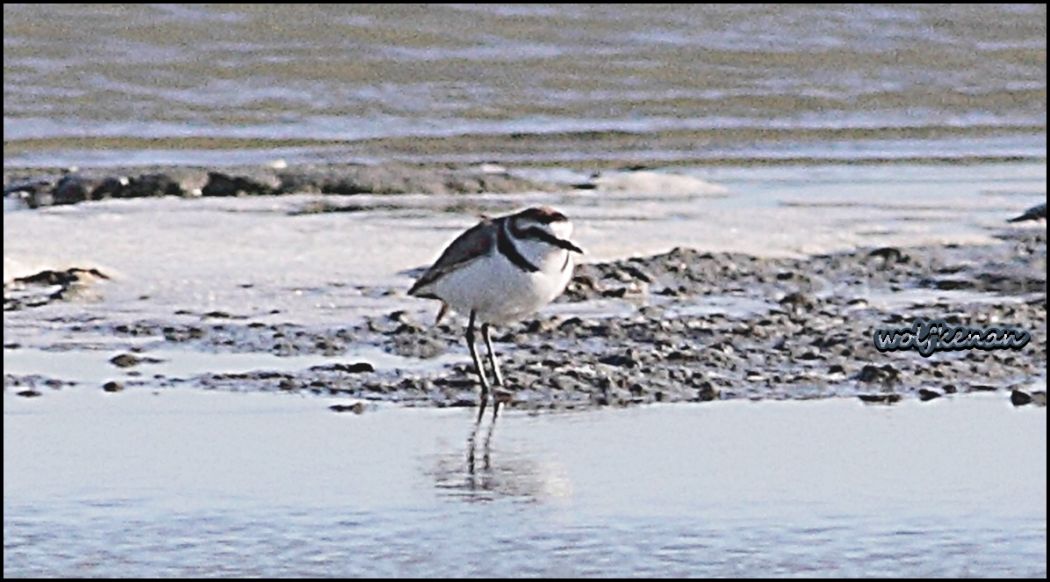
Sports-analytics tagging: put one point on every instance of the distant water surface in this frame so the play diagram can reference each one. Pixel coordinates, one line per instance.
(224, 84)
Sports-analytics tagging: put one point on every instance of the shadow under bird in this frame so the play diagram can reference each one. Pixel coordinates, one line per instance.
(499, 271)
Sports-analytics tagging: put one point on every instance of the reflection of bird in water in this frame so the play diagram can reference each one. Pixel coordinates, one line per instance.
(472, 449)
(482, 479)
(1037, 212)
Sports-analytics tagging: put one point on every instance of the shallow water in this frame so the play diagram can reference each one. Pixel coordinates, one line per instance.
(93, 365)
(188, 483)
(138, 84)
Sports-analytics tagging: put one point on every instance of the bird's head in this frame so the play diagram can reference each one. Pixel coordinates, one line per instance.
(546, 224)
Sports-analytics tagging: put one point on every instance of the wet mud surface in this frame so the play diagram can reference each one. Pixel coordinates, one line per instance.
(47, 286)
(37, 188)
(685, 325)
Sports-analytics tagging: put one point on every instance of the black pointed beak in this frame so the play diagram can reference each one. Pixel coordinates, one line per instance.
(549, 238)
(568, 245)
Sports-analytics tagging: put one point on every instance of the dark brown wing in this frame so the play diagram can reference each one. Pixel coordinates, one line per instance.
(472, 244)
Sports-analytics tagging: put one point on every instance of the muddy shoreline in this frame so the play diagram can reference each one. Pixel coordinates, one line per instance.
(686, 325)
(42, 187)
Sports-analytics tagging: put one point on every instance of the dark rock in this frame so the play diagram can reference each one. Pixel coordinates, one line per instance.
(1019, 398)
(149, 185)
(798, 301)
(356, 408)
(621, 360)
(880, 398)
(885, 374)
(29, 393)
(71, 189)
(707, 392)
(356, 368)
(125, 360)
(110, 188)
(570, 323)
(60, 277)
(889, 255)
(754, 376)
(38, 289)
(636, 273)
(220, 184)
(927, 394)
(113, 386)
(952, 284)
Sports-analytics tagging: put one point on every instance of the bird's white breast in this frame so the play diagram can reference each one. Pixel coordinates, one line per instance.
(499, 291)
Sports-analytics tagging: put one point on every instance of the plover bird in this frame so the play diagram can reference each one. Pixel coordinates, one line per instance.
(1035, 213)
(499, 271)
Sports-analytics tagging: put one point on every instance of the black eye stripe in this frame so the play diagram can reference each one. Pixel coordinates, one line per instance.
(543, 235)
(529, 232)
(536, 232)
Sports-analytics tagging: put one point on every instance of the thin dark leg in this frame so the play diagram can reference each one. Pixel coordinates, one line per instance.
(495, 367)
(492, 354)
(477, 367)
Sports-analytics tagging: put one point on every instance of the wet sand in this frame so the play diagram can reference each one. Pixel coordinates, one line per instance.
(681, 326)
(687, 295)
